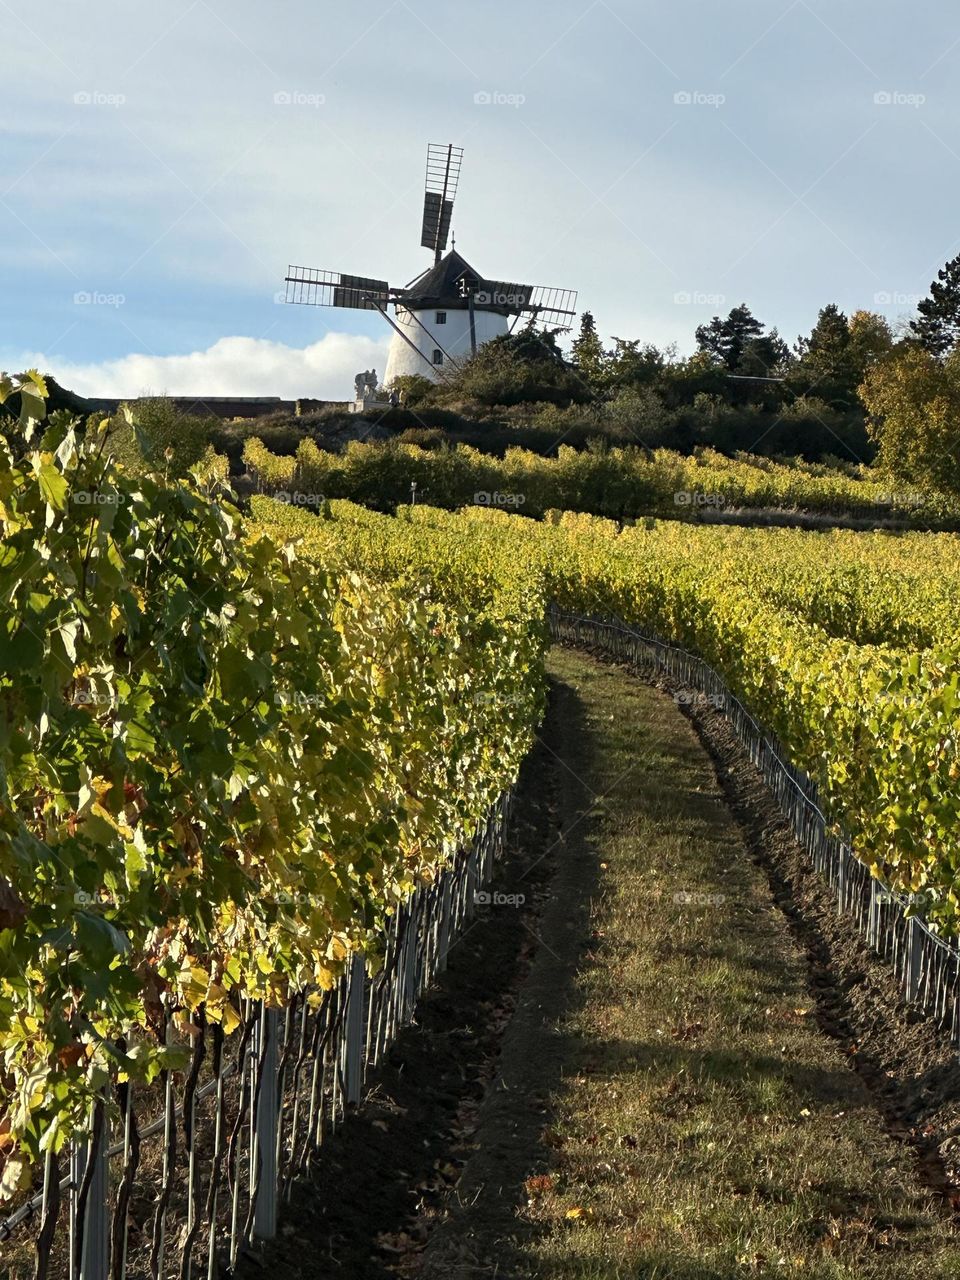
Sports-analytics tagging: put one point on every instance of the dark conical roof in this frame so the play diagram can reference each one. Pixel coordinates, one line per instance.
(441, 282)
(439, 286)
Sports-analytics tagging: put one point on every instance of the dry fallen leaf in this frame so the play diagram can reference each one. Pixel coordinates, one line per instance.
(539, 1185)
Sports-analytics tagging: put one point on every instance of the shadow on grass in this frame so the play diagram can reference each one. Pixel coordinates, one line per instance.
(734, 1068)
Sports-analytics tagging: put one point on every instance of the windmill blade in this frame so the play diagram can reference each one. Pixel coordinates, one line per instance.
(443, 176)
(316, 288)
(546, 306)
(505, 293)
(555, 307)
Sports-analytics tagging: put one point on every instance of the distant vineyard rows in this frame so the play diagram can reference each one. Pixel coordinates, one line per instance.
(617, 483)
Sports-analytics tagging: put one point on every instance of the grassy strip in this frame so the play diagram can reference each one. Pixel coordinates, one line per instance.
(705, 1126)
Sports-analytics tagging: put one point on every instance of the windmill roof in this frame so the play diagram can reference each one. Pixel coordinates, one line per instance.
(440, 281)
(438, 286)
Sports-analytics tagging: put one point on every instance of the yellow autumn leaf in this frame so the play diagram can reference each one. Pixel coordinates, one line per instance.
(325, 981)
(216, 998)
(229, 1019)
(337, 949)
(577, 1213)
(193, 985)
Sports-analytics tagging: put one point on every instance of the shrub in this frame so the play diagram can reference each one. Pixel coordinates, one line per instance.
(157, 435)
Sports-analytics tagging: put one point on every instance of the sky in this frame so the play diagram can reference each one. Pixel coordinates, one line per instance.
(162, 164)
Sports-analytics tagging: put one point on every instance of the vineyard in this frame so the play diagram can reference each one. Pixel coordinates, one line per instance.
(814, 632)
(224, 765)
(235, 746)
(619, 483)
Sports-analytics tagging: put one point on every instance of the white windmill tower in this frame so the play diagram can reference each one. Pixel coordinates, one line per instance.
(443, 315)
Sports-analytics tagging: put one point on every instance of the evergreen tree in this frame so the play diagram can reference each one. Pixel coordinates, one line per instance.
(827, 353)
(726, 340)
(587, 351)
(765, 356)
(937, 326)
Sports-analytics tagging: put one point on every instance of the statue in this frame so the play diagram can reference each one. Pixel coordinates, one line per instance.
(365, 385)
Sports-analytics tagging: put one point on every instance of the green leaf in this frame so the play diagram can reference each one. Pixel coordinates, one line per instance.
(53, 486)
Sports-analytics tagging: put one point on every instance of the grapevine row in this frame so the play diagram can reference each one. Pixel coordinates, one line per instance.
(619, 483)
(222, 763)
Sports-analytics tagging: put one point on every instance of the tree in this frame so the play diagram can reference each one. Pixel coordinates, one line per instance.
(914, 402)
(764, 357)
(520, 368)
(937, 326)
(726, 340)
(414, 389)
(823, 367)
(832, 362)
(160, 437)
(826, 351)
(631, 365)
(587, 350)
(637, 413)
(871, 339)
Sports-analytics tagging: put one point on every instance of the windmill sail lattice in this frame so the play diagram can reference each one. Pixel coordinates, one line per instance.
(443, 178)
(334, 289)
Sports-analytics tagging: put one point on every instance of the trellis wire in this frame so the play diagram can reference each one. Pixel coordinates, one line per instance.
(926, 965)
(276, 1087)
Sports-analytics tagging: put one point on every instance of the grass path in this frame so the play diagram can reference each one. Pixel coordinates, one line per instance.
(667, 1106)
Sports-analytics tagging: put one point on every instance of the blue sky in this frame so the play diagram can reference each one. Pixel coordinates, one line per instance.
(668, 160)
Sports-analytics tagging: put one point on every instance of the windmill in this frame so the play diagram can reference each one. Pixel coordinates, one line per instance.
(443, 315)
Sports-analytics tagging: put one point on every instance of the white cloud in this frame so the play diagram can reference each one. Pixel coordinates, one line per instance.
(231, 367)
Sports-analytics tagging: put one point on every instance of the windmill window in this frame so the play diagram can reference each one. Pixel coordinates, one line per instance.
(441, 317)
(437, 356)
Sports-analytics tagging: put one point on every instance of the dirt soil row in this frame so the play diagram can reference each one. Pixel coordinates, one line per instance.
(460, 1103)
